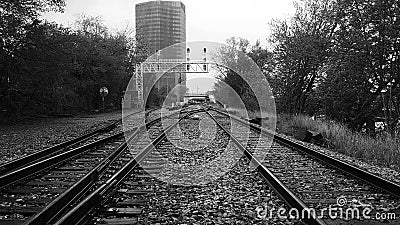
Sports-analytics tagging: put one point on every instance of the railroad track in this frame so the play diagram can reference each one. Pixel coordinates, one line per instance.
(118, 182)
(46, 153)
(114, 127)
(40, 192)
(30, 184)
(307, 179)
(135, 184)
(131, 194)
(172, 174)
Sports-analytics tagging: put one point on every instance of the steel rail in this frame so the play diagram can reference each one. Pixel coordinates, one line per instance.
(74, 193)
(34, 163)
(45, 153)
(39, 166)
(78, 214)
(284, 192)
(368, 177)
(59, 206)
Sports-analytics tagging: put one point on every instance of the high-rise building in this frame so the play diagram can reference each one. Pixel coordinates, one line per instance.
(160, 24)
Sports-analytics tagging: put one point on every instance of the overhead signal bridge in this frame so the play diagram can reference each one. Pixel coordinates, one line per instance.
(170, 66)
(173, 66)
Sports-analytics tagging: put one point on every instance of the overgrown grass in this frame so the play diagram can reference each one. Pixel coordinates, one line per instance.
(383, 150)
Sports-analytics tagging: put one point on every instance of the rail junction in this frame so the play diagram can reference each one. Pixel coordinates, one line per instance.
(111, 177)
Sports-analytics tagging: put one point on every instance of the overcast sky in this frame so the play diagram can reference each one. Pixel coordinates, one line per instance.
(206, 20)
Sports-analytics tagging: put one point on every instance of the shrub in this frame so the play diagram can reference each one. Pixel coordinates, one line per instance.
(383, 150)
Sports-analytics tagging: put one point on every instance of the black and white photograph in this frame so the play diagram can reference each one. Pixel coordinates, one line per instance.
(193, 112)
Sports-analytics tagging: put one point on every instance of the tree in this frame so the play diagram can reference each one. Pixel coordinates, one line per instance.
(301, 46)
(100, 59)
(59, 70)
(236, 56)
(363, 73)
(17, 18)
(40, 73)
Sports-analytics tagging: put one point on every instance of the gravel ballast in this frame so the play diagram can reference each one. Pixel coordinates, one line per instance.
(179, 187)
(238, 196)
(20, 140)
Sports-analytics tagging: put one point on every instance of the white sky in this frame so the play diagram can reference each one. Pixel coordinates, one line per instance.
(206, 20)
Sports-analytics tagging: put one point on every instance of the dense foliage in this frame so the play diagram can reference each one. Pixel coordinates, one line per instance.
(365, 64)
(49, 69)
(338, 58)
(235, 57)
